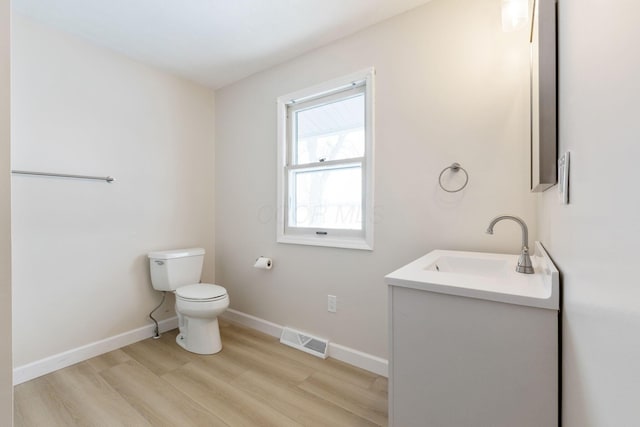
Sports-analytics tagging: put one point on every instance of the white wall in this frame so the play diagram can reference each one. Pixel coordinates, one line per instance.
(450, 86)
(594, 239)
(80, 271)
(6, 374)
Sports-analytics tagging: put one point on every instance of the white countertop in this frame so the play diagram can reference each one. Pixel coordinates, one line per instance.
(485, 276)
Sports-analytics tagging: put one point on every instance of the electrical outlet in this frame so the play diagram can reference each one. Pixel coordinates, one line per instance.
(332, 303)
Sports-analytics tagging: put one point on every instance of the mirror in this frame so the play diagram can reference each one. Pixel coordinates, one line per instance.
(543, 95)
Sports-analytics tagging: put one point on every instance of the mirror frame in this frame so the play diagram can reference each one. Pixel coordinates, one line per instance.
(544, 151)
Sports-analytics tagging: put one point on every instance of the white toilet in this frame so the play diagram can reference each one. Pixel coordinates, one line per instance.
(198, 305)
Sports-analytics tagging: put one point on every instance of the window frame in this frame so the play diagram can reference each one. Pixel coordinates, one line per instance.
(308, 98)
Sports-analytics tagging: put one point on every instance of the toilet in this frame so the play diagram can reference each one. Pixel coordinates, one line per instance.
(198, 305)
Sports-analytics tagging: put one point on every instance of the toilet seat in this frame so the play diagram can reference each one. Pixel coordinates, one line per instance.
(201, 292)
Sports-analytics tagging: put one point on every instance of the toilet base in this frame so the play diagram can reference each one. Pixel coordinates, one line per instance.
(200, 336)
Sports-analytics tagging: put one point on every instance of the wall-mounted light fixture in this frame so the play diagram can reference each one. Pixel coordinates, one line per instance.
(514, 14)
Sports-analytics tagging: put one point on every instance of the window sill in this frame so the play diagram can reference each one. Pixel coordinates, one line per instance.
(344, 243)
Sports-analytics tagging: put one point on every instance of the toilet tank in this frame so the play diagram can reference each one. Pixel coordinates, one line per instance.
(175, 268)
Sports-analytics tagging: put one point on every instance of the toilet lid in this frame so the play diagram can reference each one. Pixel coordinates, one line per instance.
(201, 292)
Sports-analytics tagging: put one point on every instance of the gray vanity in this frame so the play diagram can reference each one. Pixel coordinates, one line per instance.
(473, 342)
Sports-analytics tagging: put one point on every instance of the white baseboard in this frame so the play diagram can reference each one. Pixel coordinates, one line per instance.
(348, 355)
(62, 360)
(366, 361)
(50, 364)
(252, 322)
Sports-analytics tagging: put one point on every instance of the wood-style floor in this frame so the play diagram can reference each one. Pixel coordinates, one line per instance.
(253, 381)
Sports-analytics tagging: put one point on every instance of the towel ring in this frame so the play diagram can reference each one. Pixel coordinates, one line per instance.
(455, 167)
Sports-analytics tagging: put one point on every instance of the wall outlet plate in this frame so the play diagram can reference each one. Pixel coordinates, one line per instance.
(563, 178)
(332, 303)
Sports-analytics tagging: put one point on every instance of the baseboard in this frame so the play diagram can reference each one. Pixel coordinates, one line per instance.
(366, 361)
(50, 364)
(252, 322)
(345, 354)
(62, 360)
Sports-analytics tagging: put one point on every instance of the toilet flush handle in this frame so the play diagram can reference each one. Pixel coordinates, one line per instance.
(159, 262)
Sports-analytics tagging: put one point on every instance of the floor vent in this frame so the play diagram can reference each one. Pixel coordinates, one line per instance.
(317, 346)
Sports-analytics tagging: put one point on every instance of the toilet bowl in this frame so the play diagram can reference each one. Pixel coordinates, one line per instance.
(198, 305)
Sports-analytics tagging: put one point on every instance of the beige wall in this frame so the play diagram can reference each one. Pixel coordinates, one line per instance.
(6, 376)
(80, 271)
(450, 86)
(594, 239)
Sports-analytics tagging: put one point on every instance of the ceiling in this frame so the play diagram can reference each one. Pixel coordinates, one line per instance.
(213, 42)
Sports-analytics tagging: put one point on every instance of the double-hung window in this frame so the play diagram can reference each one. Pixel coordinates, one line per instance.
(325, 164)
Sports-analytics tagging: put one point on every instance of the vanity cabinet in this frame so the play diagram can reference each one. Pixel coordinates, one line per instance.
(459, 360)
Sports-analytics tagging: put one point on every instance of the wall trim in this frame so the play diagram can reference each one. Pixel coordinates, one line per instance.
(354, 357)
(49, 364)
(252, 322)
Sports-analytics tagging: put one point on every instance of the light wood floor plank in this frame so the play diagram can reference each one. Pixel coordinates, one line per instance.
(159, 362)
(288, 370)
(164, 355)
(380, 386)
(159, 402)
(89, 400)
(37, 403)
(365, 403)
(268, 344)
(305, 408)
(225, 368)
(253, 381)
(231, 404)
(108, 360)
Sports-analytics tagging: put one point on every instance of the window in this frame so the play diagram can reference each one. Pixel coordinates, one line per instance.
(325, 164)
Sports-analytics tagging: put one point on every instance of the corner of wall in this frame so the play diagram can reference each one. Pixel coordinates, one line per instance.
(6, 376)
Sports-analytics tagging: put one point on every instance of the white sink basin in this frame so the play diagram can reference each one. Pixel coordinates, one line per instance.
(465, 264)
(482, 275)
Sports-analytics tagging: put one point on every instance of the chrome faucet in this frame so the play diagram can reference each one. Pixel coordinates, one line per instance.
(524, 262)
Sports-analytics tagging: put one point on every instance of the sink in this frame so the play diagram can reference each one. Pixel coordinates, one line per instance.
(489, 276)
(466, 264)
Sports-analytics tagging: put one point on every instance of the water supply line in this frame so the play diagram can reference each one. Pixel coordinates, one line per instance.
(157, 329)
